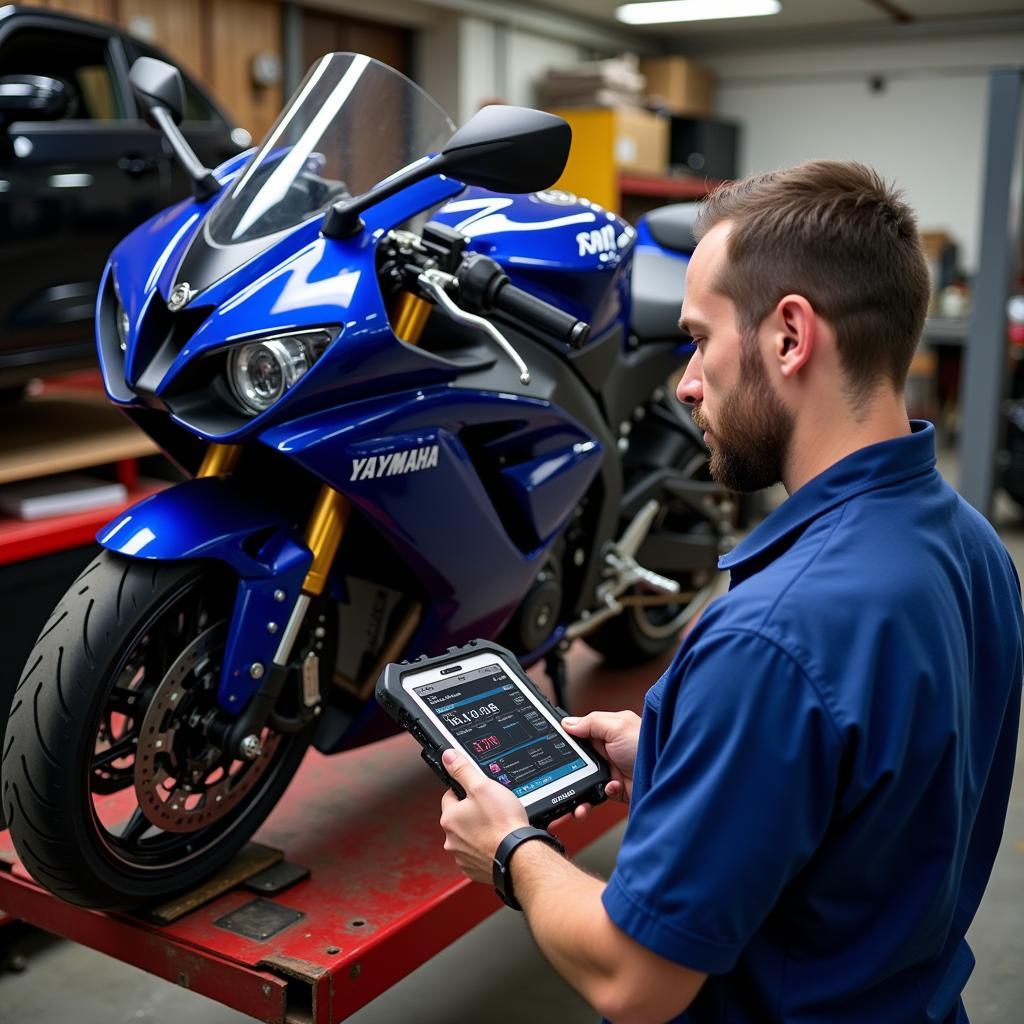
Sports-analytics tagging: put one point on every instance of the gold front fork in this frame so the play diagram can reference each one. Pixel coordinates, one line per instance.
(324, 531)
(219, 460)
(410, 317)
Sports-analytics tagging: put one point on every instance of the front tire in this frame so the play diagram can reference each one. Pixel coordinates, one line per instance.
(113, 793)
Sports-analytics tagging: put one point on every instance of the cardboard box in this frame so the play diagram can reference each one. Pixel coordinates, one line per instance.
(608, 142)
(680, 85)
(641, 141)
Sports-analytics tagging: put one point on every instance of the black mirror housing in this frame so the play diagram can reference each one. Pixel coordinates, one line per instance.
(158, 84)
(501, 148)
(32, 98)
(509, 149)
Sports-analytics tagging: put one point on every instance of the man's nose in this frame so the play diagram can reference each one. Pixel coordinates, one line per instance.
(690, 388)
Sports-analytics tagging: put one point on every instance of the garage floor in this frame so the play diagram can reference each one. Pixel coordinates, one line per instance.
(494, 966)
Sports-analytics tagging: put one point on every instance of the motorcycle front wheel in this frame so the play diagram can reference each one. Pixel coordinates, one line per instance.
(115, 792)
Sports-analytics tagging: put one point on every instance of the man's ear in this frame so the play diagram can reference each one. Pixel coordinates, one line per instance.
(793, 332)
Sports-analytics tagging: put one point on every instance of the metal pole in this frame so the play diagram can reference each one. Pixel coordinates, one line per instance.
(985, 370)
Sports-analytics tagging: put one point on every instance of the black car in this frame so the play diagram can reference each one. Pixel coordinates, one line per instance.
(78, 170)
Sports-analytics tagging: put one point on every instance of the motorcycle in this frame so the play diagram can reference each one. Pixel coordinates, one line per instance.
(421, 398)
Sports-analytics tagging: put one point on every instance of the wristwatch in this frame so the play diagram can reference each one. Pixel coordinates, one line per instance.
(500, 873)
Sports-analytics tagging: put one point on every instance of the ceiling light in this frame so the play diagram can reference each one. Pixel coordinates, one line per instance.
(662, 12)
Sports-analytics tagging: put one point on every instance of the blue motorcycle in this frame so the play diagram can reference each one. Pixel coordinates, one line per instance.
(420, 398)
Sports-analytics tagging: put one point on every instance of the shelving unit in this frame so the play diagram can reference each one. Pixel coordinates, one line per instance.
(595, 172)
(59, 431)
(668, 187)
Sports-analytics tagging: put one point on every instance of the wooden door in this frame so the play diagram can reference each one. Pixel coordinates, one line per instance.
(332, 33)
(239, 31)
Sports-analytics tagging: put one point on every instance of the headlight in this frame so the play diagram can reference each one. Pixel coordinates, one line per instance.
(122, 325)
(260, 372)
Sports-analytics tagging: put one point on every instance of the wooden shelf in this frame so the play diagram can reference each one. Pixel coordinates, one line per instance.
(47, 435)
(659, 186)
(21, 539)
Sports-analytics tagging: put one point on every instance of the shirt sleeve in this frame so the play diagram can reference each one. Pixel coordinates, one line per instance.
(743, 782)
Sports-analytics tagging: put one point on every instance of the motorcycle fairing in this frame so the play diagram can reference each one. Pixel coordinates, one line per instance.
(469, 515)
(300, 281)
(210, 518)
(565, 250)
(162, 240)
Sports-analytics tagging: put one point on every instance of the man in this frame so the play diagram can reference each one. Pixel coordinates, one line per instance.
(818, 786)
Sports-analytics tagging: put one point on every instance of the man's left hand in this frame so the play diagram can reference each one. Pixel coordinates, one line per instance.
(475, 825)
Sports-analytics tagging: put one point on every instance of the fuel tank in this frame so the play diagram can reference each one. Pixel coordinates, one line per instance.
(565, 249)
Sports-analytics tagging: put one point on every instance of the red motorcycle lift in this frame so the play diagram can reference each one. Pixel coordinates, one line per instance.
(381, 896)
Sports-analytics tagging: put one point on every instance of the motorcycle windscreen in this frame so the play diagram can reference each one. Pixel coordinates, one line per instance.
(352, 123)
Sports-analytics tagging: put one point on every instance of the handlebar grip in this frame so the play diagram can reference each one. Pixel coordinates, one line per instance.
(484, 284)
(542, 315)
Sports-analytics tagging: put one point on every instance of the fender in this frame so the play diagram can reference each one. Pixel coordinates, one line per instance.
(212, 519)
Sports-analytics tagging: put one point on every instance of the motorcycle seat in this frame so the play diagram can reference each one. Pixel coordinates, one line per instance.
(659, 274)
(657, 286)
(672, 226)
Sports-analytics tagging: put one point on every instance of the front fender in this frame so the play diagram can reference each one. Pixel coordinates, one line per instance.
(212, 519)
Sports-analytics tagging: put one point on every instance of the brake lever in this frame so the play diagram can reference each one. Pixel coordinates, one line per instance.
(436, 283)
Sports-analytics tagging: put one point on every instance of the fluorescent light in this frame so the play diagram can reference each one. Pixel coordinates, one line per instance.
(662, 12)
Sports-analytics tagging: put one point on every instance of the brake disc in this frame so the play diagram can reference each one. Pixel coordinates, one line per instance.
(184, 782)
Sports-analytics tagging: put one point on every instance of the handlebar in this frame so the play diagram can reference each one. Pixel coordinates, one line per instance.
(484, 286)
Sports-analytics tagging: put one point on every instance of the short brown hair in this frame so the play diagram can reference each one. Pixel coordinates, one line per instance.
(837, 234)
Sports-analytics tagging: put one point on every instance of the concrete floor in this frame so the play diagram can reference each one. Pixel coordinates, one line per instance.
(496, 965)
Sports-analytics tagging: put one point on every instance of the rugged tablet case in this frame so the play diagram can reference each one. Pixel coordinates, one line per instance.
(401, 707)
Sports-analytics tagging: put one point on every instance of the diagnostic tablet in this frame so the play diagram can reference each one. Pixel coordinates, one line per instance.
(478, 699)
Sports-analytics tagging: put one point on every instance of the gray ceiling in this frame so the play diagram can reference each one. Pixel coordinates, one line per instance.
(802, 18)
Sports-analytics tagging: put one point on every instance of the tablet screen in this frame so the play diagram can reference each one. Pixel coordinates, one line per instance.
(501, 728)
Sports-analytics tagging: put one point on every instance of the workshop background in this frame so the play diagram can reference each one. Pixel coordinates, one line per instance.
(928, 92)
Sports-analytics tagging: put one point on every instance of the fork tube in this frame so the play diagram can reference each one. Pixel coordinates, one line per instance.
(323, 535)
(219, 460)
(410, 317)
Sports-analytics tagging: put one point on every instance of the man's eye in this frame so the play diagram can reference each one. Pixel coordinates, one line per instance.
(700, 342)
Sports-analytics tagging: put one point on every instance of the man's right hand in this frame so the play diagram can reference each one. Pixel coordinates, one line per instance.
(614, 735)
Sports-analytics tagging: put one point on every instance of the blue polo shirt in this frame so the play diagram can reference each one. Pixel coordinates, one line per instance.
(823, 771)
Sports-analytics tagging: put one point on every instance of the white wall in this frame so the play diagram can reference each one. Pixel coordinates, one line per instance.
(528, 57)
(925, 130)
(499, 62)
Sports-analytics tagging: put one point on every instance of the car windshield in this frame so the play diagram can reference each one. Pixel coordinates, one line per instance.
(352, 123)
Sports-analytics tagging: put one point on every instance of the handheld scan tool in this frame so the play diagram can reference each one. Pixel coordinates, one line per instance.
(478, 699)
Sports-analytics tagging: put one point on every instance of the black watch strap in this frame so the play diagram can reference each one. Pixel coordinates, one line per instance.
(500, 872)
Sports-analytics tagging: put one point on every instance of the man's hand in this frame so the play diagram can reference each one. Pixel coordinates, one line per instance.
(614, 735)
(475, 825)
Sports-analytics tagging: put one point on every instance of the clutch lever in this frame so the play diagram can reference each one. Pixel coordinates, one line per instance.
(436, 283)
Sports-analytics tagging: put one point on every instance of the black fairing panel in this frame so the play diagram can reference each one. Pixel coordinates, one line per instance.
(553, 380)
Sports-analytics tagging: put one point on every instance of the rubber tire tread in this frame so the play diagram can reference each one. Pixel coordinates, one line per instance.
(43, 786)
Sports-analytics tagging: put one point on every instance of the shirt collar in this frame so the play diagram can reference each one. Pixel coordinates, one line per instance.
(877, 465)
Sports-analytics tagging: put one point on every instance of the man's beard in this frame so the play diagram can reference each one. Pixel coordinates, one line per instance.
(750, 441)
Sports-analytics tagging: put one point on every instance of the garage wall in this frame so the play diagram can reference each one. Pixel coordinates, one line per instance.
(925, 128)
(499, 62)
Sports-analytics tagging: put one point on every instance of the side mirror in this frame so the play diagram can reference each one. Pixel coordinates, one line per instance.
(508, 149)
(158, 84)
(32, 98)
(505, 149)
(162, 94)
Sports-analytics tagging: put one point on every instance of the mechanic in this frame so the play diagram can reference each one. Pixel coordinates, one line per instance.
(819, 782)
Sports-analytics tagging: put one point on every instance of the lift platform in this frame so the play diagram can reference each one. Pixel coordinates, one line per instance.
(381, 896)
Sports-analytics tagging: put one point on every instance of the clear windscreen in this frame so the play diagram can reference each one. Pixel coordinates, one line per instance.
(353, 122)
